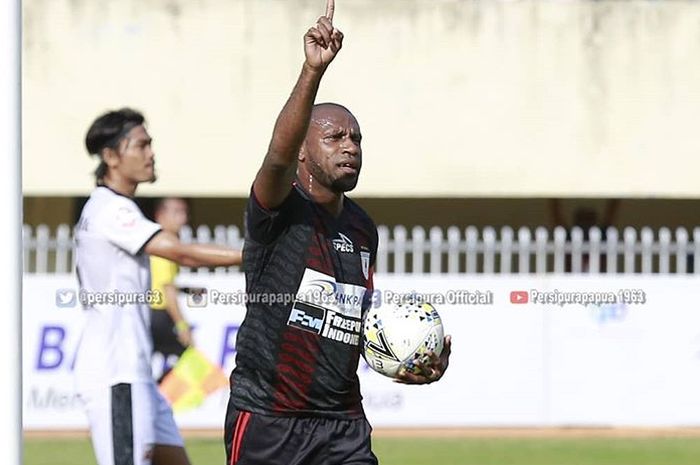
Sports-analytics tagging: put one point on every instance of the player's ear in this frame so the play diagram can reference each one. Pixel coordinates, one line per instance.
(302, 152)
(110, 157)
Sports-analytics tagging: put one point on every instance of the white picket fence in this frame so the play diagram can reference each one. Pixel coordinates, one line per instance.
(470, 251)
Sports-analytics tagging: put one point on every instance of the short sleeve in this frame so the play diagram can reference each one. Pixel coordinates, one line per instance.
(124, 225)
(163, 273)
(264, 225)
(371, 294)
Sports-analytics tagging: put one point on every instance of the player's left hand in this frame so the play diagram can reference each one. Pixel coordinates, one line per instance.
(432, 369)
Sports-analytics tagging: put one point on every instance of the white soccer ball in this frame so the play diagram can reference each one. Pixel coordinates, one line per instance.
(396, 336)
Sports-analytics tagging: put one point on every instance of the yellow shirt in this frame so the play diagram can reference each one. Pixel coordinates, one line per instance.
(163, 271)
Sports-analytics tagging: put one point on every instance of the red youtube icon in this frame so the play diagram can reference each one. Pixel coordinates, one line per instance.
(519, 297)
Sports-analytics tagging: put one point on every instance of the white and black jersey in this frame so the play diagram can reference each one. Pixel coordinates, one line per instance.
(126, 413)
(116, 342)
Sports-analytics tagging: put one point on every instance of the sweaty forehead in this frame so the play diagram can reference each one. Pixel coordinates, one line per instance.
(332, 116)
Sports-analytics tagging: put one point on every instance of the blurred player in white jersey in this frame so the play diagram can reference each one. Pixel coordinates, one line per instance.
(130, 422)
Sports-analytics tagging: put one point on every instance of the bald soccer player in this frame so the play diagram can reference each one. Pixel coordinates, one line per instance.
(295, 394)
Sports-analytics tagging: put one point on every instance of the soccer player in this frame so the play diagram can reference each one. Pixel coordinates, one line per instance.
(295, 395)
(130, 422)
(169, 328)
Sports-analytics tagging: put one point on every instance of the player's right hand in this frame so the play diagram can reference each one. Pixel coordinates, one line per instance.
(323, 41)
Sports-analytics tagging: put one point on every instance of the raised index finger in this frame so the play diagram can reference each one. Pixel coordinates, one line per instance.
(330, 9)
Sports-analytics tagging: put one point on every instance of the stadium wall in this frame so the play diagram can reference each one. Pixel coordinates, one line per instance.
(455, 98)
(444, 212)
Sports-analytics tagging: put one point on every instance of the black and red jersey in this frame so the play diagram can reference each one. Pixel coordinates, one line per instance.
(308, 284)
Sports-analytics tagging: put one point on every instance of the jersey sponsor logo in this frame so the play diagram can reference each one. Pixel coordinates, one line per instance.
(342, 328)
(328, 308)
(344, 244)
(306, 317)
(326, 291)
(327, 323)
(323, 286)
(364, 256)
(322, 290)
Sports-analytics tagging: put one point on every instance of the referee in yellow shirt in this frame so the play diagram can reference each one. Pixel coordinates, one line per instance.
(171, 332)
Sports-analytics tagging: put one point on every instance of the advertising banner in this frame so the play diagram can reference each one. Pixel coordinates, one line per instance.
(527, 351)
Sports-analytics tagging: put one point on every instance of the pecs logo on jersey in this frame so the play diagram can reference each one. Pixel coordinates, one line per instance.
(344, 244)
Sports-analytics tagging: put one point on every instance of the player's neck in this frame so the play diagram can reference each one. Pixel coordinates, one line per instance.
(334, 203)
(120, 186)
(329, 200)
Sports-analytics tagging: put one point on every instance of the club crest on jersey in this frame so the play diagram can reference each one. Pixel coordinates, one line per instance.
(344, 244)
(126, 217)
(365, 263)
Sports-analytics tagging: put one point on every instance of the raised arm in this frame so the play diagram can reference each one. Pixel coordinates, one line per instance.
(321, 44)
(167, 245)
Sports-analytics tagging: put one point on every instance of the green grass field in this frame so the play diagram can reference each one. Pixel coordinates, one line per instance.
(424, 451)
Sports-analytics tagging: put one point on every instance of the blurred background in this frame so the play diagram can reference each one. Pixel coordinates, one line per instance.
(481, 108)
(508, 145)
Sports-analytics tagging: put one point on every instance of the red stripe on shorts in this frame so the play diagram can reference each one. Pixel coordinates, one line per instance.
(233, 439)
(238, 431)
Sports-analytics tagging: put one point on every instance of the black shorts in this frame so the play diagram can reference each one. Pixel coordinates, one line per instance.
(164, 335)
(165, 340)
(255, 439)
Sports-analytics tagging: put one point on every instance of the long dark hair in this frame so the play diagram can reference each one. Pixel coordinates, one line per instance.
(107, 131)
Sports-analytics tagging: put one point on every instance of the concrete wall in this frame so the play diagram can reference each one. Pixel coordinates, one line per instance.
(462, 212)
(455, 98)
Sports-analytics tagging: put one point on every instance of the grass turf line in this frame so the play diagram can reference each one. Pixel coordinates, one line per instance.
(427, 451)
